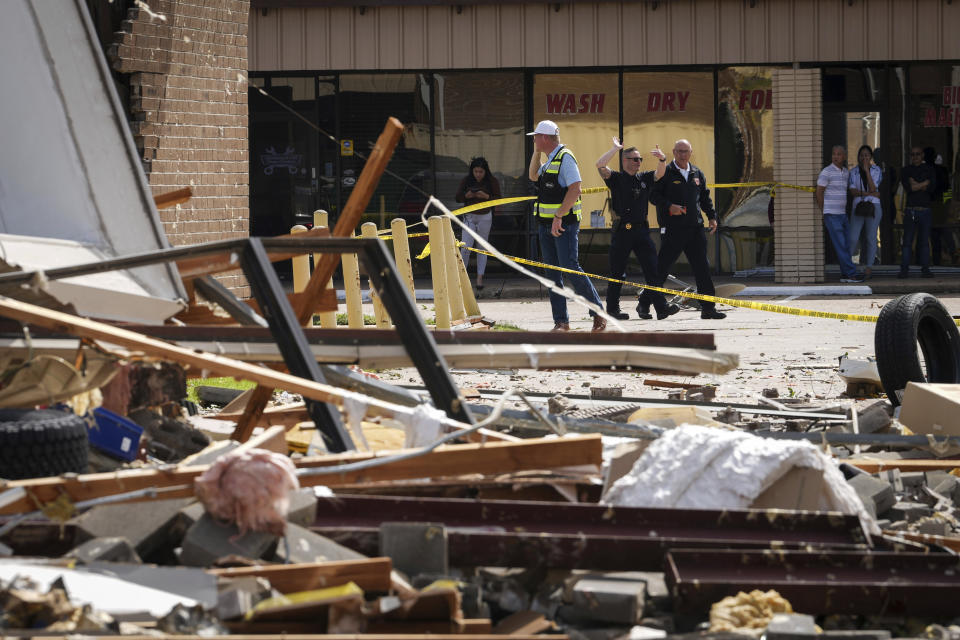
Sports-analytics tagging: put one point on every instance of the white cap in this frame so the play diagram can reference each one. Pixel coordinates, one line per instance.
(548, 127)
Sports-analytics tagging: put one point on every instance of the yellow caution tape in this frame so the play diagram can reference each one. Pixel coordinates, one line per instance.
(746, 304)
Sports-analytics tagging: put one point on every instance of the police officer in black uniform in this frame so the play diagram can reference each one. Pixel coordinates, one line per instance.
(680, 195)
(629, 192)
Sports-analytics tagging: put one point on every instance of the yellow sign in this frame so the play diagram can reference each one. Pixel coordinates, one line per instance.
(346, 147)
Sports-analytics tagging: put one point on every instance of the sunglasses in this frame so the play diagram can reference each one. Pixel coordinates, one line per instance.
(637, 158)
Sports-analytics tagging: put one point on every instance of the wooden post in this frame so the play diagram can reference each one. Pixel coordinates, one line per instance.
(401, 253)
(383, 213)
(301, 264)
(369, 230)
(469, 300)
(346, 225)
(351, 289)
(328, 319)
(438, 266)
(450, 252)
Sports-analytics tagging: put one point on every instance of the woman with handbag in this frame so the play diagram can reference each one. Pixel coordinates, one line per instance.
(864, 187)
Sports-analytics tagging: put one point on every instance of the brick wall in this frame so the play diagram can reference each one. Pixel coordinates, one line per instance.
(798, 135)
(187, 66)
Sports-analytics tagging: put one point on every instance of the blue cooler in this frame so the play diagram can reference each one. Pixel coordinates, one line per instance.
(115, 435)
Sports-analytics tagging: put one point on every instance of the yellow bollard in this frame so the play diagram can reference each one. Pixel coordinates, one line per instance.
(301, 264)
(369, 230)
(469, 300)
(401, 254)
(441, 306)
(450, 250)
(328, 319)
(351, 289)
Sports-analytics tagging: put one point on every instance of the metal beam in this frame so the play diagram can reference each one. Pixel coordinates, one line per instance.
(293, 344)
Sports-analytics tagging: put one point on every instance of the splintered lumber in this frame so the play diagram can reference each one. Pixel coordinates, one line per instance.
(876, 465)
(172, 198)
(491, 458)
(346, 225)
(371, 574)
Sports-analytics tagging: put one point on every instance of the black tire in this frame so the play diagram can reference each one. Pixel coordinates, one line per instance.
(905, 322)
(40, 443)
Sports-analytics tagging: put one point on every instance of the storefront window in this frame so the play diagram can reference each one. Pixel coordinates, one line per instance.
(744, 156)
(660, 108)
(366, 103)
(481, 114)
(586, 107)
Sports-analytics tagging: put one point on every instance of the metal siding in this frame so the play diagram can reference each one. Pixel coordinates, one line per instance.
(391, 43)
(413, 30)
(610, 41)
(586, 31)
(341, 37)
(589, 34)
(462, 37)
(317, 30)
(488, 36)
(534, 35)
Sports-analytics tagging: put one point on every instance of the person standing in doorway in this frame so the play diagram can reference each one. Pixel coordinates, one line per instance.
(864, 185)
(558, 210)
(630, 195)
(478, 186)
(831, 198)
(682, 197)
(919, 182)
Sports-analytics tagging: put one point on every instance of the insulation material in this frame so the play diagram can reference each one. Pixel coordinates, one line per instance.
(423, 427)
(747, 613)
(250, 489)
(698, 467)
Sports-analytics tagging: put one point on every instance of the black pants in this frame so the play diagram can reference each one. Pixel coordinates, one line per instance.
(692, 242)
(636, 239)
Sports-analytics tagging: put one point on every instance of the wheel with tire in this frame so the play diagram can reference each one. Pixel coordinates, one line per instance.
(40, 443)
(909, 327)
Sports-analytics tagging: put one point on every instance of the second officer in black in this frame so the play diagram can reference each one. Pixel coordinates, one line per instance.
(629, 192)
(680, 196)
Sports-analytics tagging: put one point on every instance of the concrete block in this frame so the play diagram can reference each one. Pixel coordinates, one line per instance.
(857, 634)
(208, 540)
(240, 596)
(415, 547)
(610, 600)
(874, 418)
(913, 479)
(307, 546)
(893, 477)
(909, 511)
(876, 495)
(149, 526)
(934, 478)
(791, 626)
(303, 507)
(947, 487)
(933, 526)
(116, 549)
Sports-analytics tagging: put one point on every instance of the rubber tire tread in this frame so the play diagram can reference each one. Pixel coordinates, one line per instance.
(903, 323)
(36, 443)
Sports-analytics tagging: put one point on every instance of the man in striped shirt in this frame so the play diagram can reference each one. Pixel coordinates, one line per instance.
(832, 199)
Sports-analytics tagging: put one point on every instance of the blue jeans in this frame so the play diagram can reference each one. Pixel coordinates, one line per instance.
(864, 231)
(564, 252)
(916, 219)
(837, 229)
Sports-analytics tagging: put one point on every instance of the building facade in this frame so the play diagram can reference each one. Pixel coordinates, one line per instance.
(761, 88)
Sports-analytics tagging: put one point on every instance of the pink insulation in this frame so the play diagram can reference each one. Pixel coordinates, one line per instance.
(250, 489)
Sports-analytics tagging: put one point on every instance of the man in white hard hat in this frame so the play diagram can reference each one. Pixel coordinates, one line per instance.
(558, 210)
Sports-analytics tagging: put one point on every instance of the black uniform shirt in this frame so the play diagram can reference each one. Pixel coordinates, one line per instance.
(924, 197)
(630, 195)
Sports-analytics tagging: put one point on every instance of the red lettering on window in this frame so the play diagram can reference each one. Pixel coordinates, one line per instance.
(668, 97)
(653, 102)
(554, 103)
(756, 99)
(682, 98)
(930, 118)
(596, 103)
(570, 104)
(744, 95)
(769, 103)
(584, 103)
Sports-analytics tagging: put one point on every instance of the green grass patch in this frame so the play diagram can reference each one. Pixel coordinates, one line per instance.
(506, 326)
(226, 383)
(342, 320)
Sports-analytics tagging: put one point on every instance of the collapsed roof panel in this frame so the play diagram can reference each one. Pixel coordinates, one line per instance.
(74, 174)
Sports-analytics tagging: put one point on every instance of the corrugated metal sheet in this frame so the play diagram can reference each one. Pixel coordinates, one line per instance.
(589, 34)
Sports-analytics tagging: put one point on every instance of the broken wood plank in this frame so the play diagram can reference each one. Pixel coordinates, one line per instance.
(172, 198)
(523, 623)
(371, 574)
(667, 384)
(492, 458)
(875, 465)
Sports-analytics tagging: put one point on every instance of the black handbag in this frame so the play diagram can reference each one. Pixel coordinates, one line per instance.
(864, 208)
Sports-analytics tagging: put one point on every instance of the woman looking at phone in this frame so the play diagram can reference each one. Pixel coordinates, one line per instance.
(478, 186)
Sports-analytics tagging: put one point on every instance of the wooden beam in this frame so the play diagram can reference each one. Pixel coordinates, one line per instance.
(172, 198)
(346, 224)
(875, 465)
(371, 574)
(332, 636)
(491, 458)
